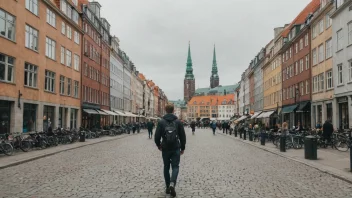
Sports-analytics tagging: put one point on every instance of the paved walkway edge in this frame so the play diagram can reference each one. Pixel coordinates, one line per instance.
(15, 163)
(323, 168)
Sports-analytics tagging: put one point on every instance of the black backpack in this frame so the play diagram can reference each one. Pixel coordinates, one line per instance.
(171, 135)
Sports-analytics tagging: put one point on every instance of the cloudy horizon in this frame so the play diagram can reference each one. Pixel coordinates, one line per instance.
(155, 35)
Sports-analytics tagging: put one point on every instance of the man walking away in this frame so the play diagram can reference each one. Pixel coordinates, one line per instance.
(328, 129)
(150, 126)
(193, 126)
(173, 144)
(213, 126)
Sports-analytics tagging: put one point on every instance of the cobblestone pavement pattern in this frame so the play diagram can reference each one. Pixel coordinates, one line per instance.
(212, 166)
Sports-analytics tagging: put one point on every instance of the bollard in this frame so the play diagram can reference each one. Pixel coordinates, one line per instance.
(244, 134)
(310, 148)
(262, 139)
(283, 143)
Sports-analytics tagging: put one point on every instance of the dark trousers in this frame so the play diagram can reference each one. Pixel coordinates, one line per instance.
(171, 158)
(150, 132)
(224, 129)
(193, 129)
(213, 130)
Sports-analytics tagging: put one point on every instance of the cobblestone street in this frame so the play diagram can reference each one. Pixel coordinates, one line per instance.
(212, 166)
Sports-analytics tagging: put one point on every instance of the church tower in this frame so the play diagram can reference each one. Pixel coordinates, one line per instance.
(189, 82)
(214, 78)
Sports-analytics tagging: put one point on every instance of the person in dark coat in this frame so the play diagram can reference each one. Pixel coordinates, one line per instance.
(150, 126)
(328, 129)
(193, 126)
(225, 127)
(213, 126)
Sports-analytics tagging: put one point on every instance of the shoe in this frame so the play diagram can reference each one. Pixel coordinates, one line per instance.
(172, 191)
(168, 190)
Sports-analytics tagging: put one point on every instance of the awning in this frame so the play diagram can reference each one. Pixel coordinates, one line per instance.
(120, 113)
(101, 112)
(110, 112)
(267, 114)
(128, 114)
(303, 106)
(289, 109)
(256, 114)
(241, 118)
(90, 111)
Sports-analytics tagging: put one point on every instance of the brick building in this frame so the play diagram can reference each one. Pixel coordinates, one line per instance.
(39, 65)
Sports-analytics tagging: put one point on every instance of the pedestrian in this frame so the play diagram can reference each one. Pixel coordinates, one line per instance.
(134, 126)
(150, 126)
(213, 126)
(173, 144)
(193, 126)
(328, 129)
(284, 131)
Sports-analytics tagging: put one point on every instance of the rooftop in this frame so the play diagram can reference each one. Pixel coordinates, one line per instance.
(218, 89)
(211, 100)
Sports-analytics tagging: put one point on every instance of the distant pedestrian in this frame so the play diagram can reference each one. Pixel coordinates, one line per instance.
(173, 144)
(213, 126)
(328, 129)
(193, 126)
(150, 126)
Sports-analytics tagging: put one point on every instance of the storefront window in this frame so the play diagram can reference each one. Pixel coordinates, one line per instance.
(29, 117)
(73, 121)
(60, 117)
(48, 117)
(5, 113)
(314, 115)
(329, 111)
(344, 115)
(320, 114)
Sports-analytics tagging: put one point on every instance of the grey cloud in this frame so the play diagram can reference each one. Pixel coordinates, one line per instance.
(155, 35)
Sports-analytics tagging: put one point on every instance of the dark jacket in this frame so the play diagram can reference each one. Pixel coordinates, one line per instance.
(160, 129)
(328, 129)
(150, 125)
(193, 124)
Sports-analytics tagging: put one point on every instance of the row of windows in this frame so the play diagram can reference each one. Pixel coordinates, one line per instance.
(66, 59)
(340, 71)
(298, 47)
(273, 98)
(68, 92)
(92, 33)
(297, 90)
(295, 69)
(319, 81)
(319, 27)
(318, 54)
(116, 103)
(272, 82)
(95, 96)
(340, 37)
(91, 52)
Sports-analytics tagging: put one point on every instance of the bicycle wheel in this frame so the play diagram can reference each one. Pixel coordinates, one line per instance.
(342, 145)
(25, 146)
(7, 148)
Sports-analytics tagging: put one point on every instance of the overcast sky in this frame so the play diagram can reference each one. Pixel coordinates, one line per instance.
(155, 35)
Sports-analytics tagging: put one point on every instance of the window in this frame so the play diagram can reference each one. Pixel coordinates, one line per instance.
(6, 68)
(315, 31)
(329, 82)
(339, 40)
(328, 21)
(30, 75)
(62, 84)
(68, 58)
(321, 82)
(321, 53)
(73, 118)
(301, 44)
(307, 62)
(76, 37)
(350, 33)
(63, 28)
(328, 48)
(75, 16)
(306, 40)
(296, 68)
(315, 58)
(301, 66)
(7, 25)
(85, 69)
(315, 84)
(307, 86)
(76, 62)
(301, 84)
(31, 38)
(296, 48)
(49, 81)
(339, 74)
(50, 17)
(69, 84)
(29, 117)
(50, 48)
(32, 5)
(69, 32)
(62, 58)
(290, 52)
(75, 93)
(350, 71)
(321, 26)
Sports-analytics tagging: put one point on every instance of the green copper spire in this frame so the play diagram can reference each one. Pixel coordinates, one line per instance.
(214, 70)
(189, 69)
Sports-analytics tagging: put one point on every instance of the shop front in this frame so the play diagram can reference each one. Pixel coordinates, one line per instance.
(288, 115)
(343, 115)
(29, 117)
(303, 114)
(5, 116)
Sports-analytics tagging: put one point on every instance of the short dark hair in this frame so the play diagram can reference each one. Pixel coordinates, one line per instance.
(169, 108)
